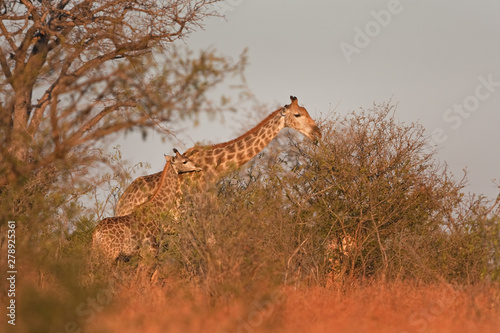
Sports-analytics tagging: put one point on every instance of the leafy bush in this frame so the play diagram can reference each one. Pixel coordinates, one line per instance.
(369, 201)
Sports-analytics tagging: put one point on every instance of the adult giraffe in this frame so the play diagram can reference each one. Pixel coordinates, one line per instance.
(217, 159)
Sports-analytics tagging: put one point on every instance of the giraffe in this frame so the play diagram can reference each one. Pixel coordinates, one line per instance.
(339, 252)
(124, 236)
(217, 159)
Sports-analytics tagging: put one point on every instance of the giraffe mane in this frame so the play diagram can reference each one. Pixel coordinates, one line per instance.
(251, 131)
(160, 185)
(223, 144)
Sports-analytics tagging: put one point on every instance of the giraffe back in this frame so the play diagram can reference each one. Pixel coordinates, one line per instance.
(137, 193)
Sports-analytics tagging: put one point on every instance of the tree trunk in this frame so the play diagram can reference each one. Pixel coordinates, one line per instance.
(18, 146)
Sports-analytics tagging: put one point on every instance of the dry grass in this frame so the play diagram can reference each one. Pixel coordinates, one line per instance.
(379, 307)
(131, 303)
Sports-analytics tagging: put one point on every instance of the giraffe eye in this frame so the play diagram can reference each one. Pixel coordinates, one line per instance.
(297, 115)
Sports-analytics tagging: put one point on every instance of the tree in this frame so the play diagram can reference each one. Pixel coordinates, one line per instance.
(76, 71)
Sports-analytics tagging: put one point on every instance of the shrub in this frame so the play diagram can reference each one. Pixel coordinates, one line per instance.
(369, 201)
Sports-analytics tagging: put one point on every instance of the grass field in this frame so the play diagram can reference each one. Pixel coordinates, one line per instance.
(374, 307)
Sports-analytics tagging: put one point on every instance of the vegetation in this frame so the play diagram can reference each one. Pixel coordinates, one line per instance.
(369, 202)
(363, 224)
(75, 73)
(368, 206)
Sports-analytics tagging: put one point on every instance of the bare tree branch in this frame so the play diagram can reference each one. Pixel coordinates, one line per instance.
(75, 72)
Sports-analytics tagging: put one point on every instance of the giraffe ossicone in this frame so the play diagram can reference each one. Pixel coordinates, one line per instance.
(125, 236)
(217, 159)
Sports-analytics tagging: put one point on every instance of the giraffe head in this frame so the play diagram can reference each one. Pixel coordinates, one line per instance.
(298, 118)
(181, 163)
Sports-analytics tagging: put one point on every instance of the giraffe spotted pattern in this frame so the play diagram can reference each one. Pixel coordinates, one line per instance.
(126, 236)
(217, 159)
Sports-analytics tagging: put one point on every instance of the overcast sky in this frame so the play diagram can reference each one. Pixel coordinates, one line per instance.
(439, 60)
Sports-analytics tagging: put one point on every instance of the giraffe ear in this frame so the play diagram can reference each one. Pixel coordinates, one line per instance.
(283, 110)
(177, 152)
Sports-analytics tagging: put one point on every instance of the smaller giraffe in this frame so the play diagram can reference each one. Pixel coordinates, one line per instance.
(122, 237)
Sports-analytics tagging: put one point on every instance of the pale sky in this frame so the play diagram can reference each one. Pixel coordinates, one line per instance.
(439, 60)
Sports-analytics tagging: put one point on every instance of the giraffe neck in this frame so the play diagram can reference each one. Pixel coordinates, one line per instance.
(218, 158)
(163, 195)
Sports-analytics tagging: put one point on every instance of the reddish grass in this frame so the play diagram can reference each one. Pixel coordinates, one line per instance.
(380, 307)
(174, 306)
